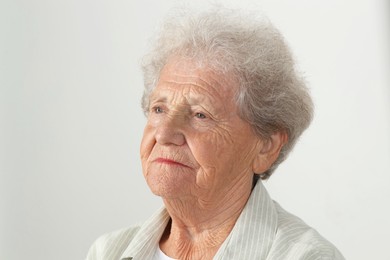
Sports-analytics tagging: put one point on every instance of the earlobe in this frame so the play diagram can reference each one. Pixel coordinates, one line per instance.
(269, 152)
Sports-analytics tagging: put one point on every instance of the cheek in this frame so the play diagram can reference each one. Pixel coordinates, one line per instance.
(214, 152)
(224, 149)
(209, 147)
(147, 143)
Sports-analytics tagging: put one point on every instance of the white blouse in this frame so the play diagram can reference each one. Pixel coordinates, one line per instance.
(159, 255)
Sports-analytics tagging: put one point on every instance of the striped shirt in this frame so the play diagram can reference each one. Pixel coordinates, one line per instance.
(263, 231)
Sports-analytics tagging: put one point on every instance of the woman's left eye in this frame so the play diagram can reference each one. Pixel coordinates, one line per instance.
(200, 115)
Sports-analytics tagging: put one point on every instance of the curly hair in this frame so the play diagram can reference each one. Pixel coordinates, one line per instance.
(272, 95)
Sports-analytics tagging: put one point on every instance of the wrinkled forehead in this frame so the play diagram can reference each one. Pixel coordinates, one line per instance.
(185, 75)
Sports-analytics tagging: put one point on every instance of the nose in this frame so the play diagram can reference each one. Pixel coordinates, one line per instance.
(170, 132)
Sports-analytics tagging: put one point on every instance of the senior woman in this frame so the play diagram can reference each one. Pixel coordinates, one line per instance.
(225, 106)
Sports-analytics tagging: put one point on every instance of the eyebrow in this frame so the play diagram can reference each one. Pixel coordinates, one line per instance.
(160, 98)
(191, 98)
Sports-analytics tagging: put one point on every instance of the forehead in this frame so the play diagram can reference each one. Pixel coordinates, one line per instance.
(187, 78)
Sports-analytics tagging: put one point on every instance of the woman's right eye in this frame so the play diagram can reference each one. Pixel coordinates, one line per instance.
(157, 110)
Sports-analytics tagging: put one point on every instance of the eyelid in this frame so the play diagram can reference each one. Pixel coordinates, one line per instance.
(202, 115)
(205, 110)
(154, 108)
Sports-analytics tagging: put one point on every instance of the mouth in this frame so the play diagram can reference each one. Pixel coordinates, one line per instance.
(170, 162)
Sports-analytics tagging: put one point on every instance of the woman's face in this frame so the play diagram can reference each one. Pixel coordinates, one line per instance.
(194, 142)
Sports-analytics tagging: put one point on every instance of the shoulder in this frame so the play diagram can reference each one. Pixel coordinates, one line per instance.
(113, 244)
(296, 240)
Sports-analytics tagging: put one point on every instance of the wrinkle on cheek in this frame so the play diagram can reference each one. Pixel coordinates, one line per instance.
(214, 145)
(221, 138)
(147, 142)
(206, 177)
(216, 142)
(236, 149)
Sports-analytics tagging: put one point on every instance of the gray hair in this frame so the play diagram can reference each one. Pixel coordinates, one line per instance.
(272, 96)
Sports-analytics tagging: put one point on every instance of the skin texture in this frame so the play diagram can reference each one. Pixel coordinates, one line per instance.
(199, 156)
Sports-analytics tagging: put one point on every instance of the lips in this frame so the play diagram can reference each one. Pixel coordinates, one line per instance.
(170, 162)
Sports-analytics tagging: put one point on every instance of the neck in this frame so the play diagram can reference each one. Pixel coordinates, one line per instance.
(199, 225)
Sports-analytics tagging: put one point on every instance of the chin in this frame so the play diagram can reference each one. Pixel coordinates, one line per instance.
(169, 182)
(167, 191)
(168, 186)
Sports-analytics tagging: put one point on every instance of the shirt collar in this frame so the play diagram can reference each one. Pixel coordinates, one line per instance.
(251, 236)
(254, 232)
(145, 242)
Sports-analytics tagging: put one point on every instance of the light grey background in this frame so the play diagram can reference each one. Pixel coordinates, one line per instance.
(71, 123)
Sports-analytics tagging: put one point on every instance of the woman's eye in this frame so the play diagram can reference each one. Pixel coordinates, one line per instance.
(200, 115)
(157, 110)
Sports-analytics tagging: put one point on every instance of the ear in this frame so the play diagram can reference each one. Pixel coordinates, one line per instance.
(269, 151)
